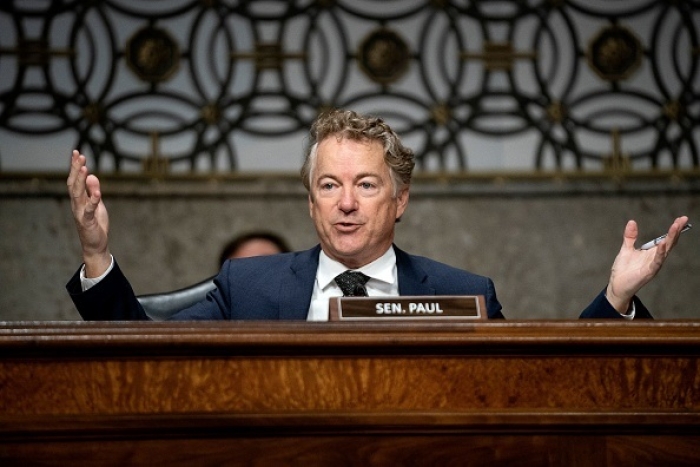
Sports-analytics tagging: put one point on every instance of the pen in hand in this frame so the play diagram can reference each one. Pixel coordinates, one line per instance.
(652, 243)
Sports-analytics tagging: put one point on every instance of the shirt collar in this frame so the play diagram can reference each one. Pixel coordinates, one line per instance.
(381, 269)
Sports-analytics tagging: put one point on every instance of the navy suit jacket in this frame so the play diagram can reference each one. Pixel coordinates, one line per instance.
(279, 287)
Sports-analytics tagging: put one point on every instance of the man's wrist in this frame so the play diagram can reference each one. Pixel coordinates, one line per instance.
(97, 265)
(87, 282)
(625, 308)
(620, 305)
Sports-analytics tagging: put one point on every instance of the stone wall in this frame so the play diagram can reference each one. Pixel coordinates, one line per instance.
(547, 246)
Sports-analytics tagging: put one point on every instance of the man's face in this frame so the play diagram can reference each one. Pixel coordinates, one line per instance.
(351, 201)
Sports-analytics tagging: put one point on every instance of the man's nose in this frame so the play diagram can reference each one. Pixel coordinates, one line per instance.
(348, 201)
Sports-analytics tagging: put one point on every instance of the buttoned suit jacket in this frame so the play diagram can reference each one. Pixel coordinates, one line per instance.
(279, 287)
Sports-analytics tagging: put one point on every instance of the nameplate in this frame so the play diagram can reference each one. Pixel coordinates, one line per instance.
(408, 308)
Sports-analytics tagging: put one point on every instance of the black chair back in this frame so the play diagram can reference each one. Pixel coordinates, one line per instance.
(161, 306)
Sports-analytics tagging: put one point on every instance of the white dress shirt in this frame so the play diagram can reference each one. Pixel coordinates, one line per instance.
(383, 282)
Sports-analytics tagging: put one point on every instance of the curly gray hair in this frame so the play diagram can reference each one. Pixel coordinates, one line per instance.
(351, 125)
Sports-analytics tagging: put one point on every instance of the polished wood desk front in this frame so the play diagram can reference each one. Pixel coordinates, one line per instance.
(517, 393)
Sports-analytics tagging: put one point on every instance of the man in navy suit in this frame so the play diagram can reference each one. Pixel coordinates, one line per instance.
(358, 175)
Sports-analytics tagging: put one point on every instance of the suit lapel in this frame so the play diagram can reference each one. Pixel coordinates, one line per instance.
(413, 280)
(298, 284)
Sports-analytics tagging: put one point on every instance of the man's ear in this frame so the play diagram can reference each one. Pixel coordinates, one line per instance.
(401, 203)
(311, 206)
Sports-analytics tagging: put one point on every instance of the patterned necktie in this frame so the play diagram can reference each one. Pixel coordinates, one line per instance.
(352, 283)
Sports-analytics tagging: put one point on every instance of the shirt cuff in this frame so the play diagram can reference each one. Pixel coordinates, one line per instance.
(89, 282)
(630, 312)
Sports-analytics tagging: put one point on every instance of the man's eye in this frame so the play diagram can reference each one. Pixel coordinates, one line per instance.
(327, 186)
(366, 185)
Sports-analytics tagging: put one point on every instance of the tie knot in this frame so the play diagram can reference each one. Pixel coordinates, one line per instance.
(352, 283)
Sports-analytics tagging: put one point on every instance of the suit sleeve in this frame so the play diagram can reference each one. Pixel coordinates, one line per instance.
(493, 306)
(600, 308)
(112, 299)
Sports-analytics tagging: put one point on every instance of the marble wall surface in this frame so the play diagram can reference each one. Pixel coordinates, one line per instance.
(548, 247)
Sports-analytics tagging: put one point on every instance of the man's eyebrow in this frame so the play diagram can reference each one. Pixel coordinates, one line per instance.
(322, 176)
(357, 177)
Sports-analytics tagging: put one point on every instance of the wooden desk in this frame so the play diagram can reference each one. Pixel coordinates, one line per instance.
(517, 393)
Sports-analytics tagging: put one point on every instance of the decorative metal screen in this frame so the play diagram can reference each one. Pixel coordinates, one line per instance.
(218, 86)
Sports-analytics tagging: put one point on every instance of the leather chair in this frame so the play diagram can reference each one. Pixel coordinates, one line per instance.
(161, 306)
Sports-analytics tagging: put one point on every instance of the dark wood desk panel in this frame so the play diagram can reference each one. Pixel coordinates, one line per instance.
(525, 393)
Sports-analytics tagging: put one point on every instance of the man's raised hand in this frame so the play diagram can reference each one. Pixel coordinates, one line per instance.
(90, 216)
